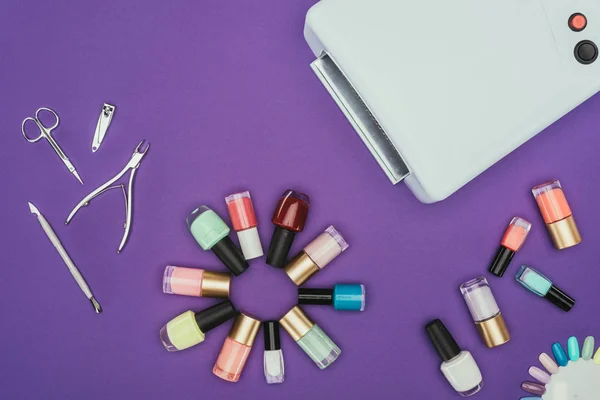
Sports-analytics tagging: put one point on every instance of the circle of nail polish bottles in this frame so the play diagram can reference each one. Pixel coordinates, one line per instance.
(212, 233)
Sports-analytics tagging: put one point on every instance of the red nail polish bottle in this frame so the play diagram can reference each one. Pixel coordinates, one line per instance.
(289, 217)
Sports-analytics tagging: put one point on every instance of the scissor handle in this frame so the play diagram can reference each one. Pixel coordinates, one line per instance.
(44, 130)
(30, 140)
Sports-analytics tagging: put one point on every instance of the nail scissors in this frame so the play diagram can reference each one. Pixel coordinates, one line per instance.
(132, 165)
(46, 133)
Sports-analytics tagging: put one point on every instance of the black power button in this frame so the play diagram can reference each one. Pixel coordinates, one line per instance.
(586, 52)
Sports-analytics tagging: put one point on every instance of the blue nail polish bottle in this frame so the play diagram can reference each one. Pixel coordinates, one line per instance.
(537, 283)
(560, 355)
(343, 297)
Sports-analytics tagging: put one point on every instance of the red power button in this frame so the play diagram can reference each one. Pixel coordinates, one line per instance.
(577, 22)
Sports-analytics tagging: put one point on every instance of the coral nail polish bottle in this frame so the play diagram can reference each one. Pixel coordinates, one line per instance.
(512, 241)
(316, 255)
(459, 367)
(273, 357)
(236, 349)
(557, 214)
(310, 337)
(196, 282)
(211, 233)
(485, 312)
(343, 297)
(289, 218)
(537, 283)
(189, 328)
(243, 218)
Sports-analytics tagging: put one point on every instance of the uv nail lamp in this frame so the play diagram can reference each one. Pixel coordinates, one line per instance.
(441, 90)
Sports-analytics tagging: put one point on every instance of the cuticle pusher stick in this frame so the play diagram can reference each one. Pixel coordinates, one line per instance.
(63, 254)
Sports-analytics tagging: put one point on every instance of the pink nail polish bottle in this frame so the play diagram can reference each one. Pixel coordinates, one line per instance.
(236, 349)
(196, 282)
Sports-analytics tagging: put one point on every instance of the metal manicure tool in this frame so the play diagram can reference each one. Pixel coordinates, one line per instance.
(63, 254)
(46, 133)
(132, 165)
(103, 123)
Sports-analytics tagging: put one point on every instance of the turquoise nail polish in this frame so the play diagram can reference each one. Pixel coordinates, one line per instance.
(537, 283)
(588, 348)
(560, 355)
(343, 296)
(573, 348)
(531, 398)
(349, 297)
(533, 280)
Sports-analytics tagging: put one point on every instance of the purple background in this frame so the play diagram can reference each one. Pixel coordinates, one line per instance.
(224, 93)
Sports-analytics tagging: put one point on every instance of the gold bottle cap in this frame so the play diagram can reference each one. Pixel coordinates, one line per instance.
(215, 284)
(564, 233)
(296, 323)
(493, 331)
(244, 329)
(300, 268)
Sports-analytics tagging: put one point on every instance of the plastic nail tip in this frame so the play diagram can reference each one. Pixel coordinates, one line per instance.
(597, 357)
(548, 363)
(573, 348)
(531, 398)
(539, 375)
(533, 388)
(559, 355)
(588, 348)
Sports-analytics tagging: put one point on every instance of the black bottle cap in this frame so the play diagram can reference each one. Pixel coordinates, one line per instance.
(214, 316)
(442, 340)
(560, 298)
(271, 333)
(501, 261)
(230, 255)
(322, 297)
(280, 245)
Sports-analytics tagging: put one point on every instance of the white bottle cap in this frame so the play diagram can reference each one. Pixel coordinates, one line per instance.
(250, 243)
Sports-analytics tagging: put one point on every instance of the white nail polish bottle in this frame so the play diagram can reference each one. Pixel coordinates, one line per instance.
(459, 367)
(273, 357)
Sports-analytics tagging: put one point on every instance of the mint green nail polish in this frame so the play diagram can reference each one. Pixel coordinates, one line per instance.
(206, 227)
(573, 348)
(588, 348)
(211, 233)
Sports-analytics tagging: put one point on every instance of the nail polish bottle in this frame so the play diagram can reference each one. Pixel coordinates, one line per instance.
(310, 337)
(189, 328)
(243, 219)
(459, 367)
(557, 214)
(236, 349)
(289, 218)
(485, 312)
(316, 255)
(211, 233)
(512, 241)
(196, 282)
(543, 287)
(344, 297)
(273, 357)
